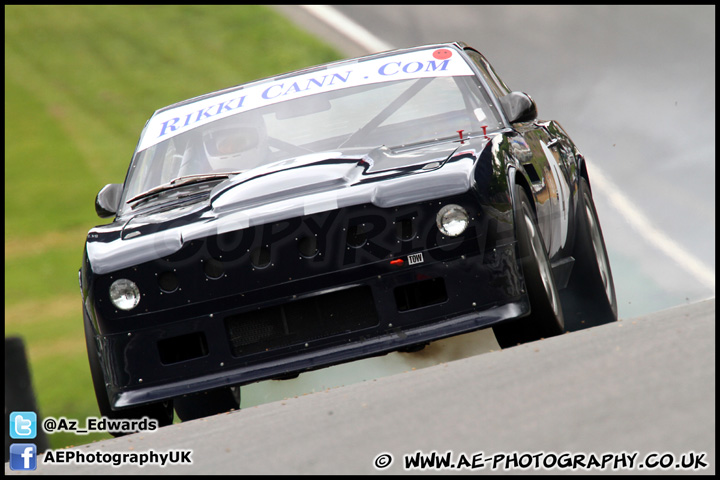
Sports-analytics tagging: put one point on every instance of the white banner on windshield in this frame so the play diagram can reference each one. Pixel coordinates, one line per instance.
(438, 62)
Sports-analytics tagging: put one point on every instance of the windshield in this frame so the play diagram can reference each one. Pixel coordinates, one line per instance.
(419, 101)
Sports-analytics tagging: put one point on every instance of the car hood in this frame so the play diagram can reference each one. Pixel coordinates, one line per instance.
(334, 171)
(300, 186)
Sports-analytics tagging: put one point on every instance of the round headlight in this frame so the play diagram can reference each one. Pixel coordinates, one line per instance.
(124, 294)
(452, 220)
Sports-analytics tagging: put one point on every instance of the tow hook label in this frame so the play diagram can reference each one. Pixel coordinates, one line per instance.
(415, 258)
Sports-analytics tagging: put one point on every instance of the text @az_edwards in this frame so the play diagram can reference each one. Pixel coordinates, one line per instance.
(103, 424)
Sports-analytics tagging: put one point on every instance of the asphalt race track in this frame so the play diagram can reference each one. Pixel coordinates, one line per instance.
(634, 87)
(644, 385)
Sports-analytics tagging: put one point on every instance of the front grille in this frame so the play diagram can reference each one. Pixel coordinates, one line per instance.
(302, 321)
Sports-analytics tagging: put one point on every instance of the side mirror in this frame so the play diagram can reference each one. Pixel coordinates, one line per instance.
(519, 107)
(107, 200)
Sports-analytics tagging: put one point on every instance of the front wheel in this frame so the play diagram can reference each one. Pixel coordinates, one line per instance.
(546, 316)
(589, 299)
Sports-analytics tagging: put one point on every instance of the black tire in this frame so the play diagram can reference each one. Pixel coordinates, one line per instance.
(546, 316)
(589, 299)
(161, 411)
(208, 403)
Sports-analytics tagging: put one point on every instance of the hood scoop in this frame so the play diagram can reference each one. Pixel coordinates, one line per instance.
(320, 172)
(287, 180)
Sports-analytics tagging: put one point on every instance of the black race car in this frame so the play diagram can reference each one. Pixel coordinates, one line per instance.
(339, 212)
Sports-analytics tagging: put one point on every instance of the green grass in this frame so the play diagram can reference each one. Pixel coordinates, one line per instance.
(80, 82)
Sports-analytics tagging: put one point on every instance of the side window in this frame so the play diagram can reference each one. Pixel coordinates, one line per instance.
(496, 85)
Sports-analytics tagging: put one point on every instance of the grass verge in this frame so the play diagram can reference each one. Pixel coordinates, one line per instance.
(80, 82)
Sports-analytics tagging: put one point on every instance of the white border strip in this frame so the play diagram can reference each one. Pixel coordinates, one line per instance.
(352, 30)
(655, 237)
(600, 182)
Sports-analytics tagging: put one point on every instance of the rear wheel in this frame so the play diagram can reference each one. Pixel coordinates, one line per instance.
(208, 403)
(161, 411)
(589, 299)
(546, 316)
